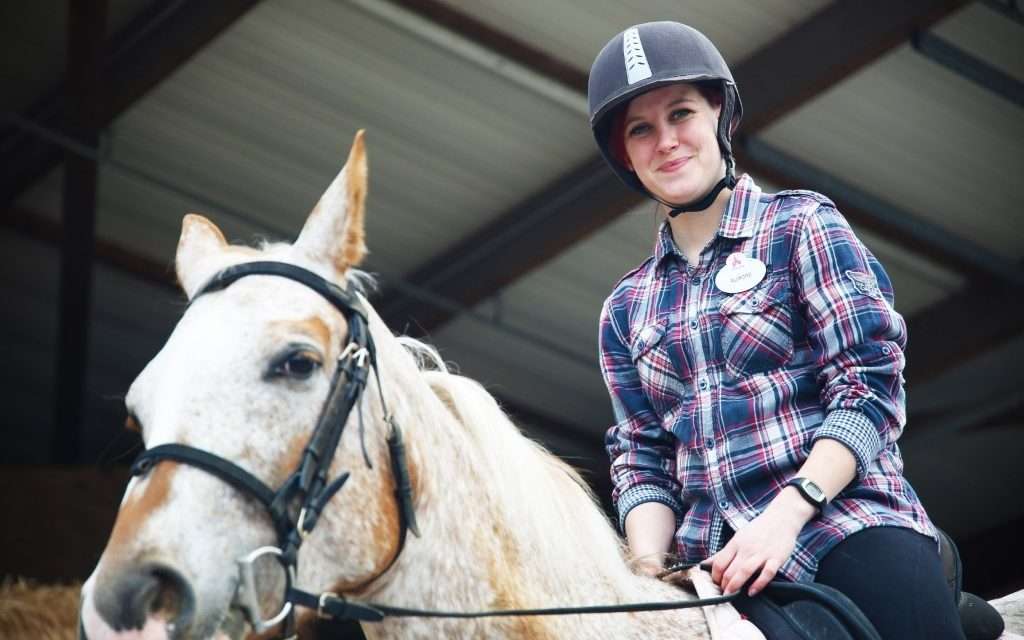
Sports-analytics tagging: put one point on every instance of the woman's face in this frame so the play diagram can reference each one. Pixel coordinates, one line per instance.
(671, 142)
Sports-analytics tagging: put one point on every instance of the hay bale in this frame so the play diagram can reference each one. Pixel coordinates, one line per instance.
(38, 612)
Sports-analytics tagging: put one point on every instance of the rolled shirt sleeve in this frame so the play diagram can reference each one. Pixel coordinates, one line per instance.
(641, 451)
(857, 336)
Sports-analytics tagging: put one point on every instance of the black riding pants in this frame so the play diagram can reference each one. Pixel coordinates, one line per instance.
(895, 577)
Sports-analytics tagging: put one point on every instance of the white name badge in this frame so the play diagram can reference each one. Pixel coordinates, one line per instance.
(739, 273)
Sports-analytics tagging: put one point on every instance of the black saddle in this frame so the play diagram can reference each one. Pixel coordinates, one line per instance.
(805, 611)
(979, 619)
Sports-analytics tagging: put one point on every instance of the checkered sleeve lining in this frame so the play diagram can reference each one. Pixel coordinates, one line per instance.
(641, 493)
(856, 431)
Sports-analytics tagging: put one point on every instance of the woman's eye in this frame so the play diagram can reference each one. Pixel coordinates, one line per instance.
(679, 114)
(638, 130)
(298, 365)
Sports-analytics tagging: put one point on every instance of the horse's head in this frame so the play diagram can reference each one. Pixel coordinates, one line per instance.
(244, 377)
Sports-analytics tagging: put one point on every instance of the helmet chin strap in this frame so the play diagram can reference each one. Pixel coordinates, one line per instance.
(728, 180)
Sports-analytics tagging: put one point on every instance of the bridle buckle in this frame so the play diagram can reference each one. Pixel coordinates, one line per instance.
(300, 525)
(356, 352)
(322, 602)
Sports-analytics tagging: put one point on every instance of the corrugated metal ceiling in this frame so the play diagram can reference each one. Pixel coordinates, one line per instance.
(252, 129)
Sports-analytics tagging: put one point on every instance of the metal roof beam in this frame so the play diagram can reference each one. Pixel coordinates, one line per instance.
(824, 50)
(944, 52)
(1011, 9)
(781, 76)
(145, 53)
(884, 218)
(502, 43)
(525, 237)
(966, 325)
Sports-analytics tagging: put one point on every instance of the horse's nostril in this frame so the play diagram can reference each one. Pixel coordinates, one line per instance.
(172, 599)
(150, 591)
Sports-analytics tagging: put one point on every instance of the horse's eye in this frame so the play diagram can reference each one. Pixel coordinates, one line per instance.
(297, 365)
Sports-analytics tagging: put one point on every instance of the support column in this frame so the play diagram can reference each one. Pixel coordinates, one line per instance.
(87, 22)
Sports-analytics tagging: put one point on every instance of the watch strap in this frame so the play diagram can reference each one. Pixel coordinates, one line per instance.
(812, 494)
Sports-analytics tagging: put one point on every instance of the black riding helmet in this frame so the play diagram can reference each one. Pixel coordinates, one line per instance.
(652, 55)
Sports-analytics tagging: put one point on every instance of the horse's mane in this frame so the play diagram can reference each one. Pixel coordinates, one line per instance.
(535, 488)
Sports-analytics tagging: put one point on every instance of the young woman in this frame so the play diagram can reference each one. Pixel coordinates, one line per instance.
(754, 360)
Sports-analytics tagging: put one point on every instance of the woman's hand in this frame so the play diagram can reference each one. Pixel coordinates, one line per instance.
(763, 545)
(767, 541)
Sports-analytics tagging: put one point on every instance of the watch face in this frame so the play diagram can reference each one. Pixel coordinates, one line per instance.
(814, 491)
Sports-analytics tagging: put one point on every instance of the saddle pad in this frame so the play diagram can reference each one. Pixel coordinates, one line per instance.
(724, 622)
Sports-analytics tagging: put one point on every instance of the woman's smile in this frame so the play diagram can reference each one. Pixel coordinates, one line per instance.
(673, 165)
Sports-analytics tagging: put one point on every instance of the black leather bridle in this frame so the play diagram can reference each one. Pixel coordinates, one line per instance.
(297, 504)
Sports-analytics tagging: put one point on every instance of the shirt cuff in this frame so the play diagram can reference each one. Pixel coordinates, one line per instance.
(856, 431)
(641, 493)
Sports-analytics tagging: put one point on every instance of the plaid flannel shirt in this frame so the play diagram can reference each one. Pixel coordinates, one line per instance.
(718, 398)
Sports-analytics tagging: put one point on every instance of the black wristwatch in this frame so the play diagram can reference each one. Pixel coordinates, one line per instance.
(811, 492)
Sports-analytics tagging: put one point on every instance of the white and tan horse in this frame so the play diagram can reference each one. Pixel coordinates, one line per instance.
(244, 375)
(503, 523)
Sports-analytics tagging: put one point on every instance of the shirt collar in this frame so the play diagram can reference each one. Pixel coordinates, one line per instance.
(741, 210)
(737, 221)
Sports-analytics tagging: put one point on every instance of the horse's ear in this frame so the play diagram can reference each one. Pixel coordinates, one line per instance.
(334, 233)
(200, 241)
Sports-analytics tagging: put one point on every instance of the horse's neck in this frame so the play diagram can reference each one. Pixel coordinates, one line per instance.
(473, 555)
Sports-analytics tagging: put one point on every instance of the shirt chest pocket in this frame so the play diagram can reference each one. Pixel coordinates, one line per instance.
(757, 328)
(660, 365)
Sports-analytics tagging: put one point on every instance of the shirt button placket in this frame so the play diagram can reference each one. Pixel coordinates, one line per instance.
(703, 385)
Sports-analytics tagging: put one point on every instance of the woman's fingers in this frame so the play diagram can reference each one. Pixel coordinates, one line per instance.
(739, 572)
(720, 562)
(771, 567)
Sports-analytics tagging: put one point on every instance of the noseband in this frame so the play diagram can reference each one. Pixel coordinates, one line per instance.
(296, 506)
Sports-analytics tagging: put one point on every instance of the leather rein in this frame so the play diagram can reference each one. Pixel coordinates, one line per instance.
(295, 507)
